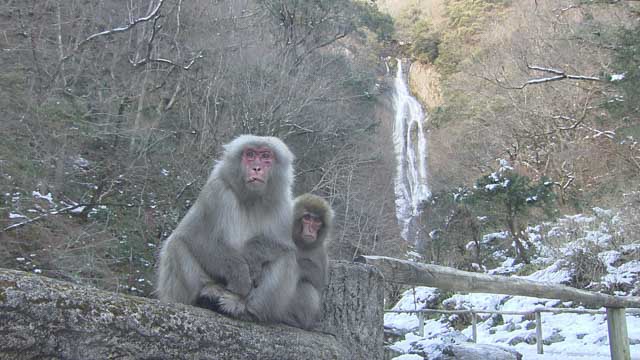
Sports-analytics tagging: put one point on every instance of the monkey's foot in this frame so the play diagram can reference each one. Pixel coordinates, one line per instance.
(232, 304)
(212, 291)
(209, 297)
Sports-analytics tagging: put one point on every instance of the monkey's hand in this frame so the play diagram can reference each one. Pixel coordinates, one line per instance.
(241, 286)
(233, 305)
(212, 291)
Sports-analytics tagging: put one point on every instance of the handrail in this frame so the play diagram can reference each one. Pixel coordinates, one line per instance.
(442, 277)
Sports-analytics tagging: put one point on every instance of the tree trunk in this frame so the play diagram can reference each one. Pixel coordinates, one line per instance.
(354, 309)
(46, 318)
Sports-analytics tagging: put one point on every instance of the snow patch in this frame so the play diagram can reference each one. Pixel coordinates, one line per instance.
(617, 77)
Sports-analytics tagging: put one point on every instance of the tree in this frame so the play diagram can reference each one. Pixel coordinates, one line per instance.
(118, 113)
(511, 197)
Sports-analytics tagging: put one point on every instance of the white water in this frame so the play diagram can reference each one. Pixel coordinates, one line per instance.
(410, 145)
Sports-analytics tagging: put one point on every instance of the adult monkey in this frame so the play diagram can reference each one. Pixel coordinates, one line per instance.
(313, 222)
(311, 230)
(248, 194)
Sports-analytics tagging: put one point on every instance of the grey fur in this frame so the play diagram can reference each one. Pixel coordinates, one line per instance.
(205, 253)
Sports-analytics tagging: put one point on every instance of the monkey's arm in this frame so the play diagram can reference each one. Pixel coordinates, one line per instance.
(269, 301)
(225, 265)
(314, 271)
(258, 252)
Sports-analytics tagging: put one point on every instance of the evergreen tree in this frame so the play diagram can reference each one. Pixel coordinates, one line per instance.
(510, 197)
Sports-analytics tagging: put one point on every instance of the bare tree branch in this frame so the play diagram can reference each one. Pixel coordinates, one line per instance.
(152, 15)
(561, 75)
(58, 212)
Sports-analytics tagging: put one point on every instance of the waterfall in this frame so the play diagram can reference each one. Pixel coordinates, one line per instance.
(410, 145)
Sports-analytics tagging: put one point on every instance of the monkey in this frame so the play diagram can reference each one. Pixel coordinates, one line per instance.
(247, 195)
(310, 233)
(274, 276)
(313, 222)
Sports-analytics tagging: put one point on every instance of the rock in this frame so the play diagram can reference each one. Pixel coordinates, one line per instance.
(509, 327)
(496, 319)
(454, 337)
(555, 337)
(516, 340)
(531, 339)
(390, 353)
(475, 352)
(47, 318)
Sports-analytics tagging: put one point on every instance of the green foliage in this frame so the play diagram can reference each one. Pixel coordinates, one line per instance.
(508, 198)
(371, 18)
(529, 269)
(466, 18)
(513, 195)
(424, 42)
(12, 86)
(627, 62)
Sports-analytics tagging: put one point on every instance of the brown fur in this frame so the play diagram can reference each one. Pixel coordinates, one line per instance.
(305, 308)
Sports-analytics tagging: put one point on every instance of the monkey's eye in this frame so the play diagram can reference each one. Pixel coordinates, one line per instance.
(310, 217)
(266, 155)
(250, 154)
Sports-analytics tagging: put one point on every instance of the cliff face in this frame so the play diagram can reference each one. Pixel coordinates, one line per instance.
(424, 82)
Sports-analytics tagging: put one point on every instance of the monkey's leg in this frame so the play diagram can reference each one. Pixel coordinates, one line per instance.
(180, 278)
(215, 297)
(305, 308)
(226, 266)
(270, 300)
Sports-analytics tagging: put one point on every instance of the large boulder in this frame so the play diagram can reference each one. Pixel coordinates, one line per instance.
(46, 318)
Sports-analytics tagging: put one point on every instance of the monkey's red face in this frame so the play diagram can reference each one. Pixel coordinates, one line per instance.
(311, 225)
(257, 162)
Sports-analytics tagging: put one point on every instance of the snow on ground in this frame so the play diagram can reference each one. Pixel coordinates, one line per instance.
(574, 336)
(570, 336)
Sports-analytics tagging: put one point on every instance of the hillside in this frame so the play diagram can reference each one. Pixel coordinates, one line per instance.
(113, 116)
(115, 112)
(549, 87)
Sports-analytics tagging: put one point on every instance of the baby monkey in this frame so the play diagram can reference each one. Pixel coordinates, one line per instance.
(312, 222)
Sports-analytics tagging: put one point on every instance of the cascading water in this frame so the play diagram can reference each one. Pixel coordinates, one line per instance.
(410, 145)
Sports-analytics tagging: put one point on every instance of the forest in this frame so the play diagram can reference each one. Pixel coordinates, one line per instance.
(114, 113)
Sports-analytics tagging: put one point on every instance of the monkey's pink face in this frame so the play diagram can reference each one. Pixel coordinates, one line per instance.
(311, 224)
(257, 162)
